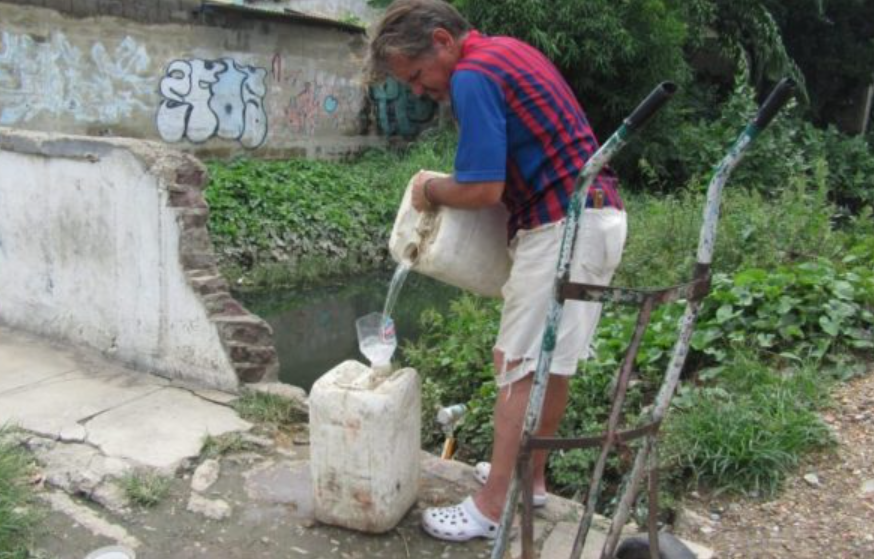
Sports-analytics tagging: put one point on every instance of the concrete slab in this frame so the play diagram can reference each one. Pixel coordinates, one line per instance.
(22, 362)
(54, 405)
(90, 520)
(561, 541)
(78, 469)
(286, 482)
(162, 429)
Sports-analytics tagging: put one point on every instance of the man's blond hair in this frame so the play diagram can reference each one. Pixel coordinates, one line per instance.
(406, 30)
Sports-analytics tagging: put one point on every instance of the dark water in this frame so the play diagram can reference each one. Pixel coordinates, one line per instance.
(314, 329)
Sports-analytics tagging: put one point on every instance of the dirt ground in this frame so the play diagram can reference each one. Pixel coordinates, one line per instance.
(270, 497)
(827, 508)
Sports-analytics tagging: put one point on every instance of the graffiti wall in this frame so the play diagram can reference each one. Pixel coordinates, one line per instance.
(321, 100)
(276, 88)
(398, 111)
(203, 99)
(50, 78)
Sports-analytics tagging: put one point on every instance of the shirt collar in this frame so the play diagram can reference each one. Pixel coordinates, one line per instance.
(473, 39)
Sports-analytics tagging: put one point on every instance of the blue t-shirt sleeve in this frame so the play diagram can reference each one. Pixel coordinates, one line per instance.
(478, 103)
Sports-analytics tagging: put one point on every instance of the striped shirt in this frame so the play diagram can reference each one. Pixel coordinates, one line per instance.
(521, 123)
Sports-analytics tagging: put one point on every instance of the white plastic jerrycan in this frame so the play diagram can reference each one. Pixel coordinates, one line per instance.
(364, 446)
(464, 248)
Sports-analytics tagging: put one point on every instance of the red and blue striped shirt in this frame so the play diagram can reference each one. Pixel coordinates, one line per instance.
(521, 123)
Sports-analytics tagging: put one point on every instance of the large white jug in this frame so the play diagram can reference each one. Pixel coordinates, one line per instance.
(364, 446)
(464, 248)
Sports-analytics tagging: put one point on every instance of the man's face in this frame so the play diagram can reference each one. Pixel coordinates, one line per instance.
(429, 74)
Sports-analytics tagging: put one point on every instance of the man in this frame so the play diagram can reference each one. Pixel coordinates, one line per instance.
(523, 138)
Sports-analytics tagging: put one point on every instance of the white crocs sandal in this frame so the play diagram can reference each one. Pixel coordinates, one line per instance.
(481, 473)
(460, 523)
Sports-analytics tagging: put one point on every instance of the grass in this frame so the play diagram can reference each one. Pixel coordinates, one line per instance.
(18, 518)
(268, 408)
(746, 433)
(753, 232)
(228, 443)
(145, 489)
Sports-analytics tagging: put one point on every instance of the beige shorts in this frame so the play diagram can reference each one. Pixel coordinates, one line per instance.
(528, 291)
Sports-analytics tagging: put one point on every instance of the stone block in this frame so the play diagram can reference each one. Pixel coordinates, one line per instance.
(205, 475)
(189, 198)
(195, 239)
(207, 285)
(197, 260)
(192, 217)
(215, 509)
(223, 304)
(192, 174)
(251, 373)
(245, 329)
(255, 355)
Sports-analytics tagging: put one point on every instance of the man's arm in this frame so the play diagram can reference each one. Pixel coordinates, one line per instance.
(430, 192)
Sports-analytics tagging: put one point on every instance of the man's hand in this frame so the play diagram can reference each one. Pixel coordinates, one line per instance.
(423, 201)
(430, 191)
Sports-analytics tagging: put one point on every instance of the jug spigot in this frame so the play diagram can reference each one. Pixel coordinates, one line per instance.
(448, 418)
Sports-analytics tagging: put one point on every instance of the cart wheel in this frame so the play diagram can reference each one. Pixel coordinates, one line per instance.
(637, 547)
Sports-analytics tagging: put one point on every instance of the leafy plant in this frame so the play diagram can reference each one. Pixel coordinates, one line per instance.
(284, 222)
(453, 355)
(612, 53)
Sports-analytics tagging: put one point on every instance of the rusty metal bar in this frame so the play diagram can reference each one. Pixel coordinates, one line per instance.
(621, 437)
(593, 166)
(643, 319)
(527, 504)
(653, 508)
(694, 290)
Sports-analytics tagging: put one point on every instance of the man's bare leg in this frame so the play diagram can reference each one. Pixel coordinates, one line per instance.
(510, 407)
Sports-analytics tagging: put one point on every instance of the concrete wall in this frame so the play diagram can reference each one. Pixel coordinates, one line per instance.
(212, 81)
(104, 243)
(336, 8)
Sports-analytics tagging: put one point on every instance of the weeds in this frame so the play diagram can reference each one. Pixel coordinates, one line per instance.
(145, 489)
(18, 518)
(268, 408)
(746, 435)
(229, 443)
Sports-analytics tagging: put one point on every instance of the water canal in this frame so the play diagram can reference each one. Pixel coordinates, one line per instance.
(314, 328)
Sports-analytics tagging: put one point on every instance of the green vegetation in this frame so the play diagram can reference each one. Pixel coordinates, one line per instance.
(792, 304)
(281, 223)
(613, 53)
(145, 489)
(791, 310)
(268, 408)
(229, 443)
(18, 517)
(747, 433)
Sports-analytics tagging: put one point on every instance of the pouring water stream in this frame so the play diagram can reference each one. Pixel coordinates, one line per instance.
(377, 339)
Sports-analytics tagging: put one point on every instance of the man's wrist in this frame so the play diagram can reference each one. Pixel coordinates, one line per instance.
(426, 192)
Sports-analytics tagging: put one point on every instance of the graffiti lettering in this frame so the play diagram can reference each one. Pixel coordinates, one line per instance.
(398, 110)
(207, 98)
(323, 101)
(53, 78)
